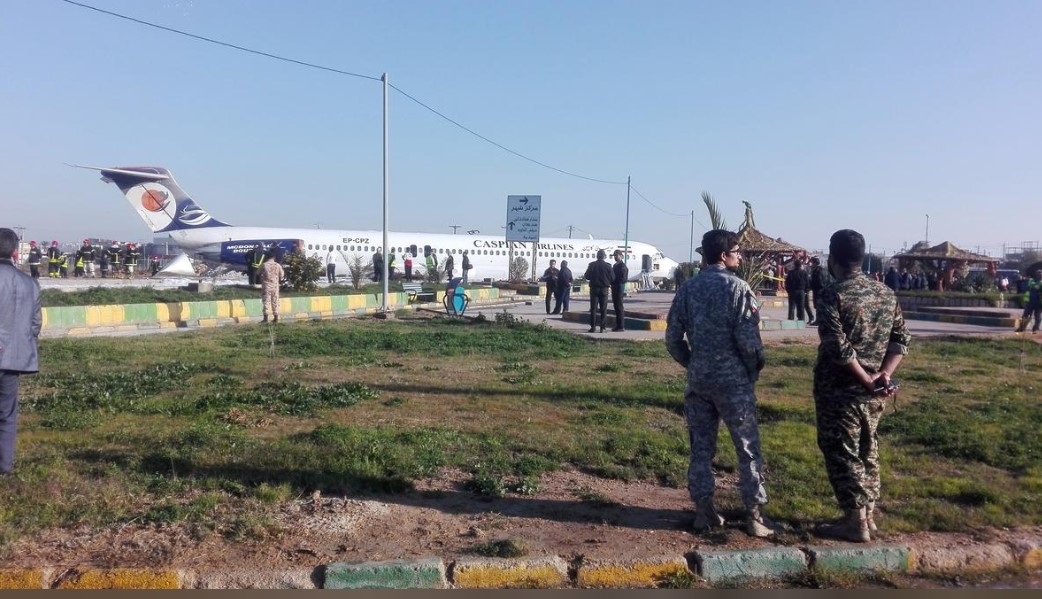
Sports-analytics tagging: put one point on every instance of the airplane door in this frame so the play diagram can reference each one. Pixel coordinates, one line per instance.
(645, 263)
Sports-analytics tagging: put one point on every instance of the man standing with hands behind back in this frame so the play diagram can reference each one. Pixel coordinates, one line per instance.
(620, 274)
(723, 355)
(20, 321)
(863, 339)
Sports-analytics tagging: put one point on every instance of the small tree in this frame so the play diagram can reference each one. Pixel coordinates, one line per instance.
(302, 272)
(518, 269)
(752, 267)
(434, 276)
(357, 269)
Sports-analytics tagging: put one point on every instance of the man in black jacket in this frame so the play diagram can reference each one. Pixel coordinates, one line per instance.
(600, 276)
(564, 288)
(550, 276)
(796, 286)
(620, 274)
(35, 257)
(819, 278)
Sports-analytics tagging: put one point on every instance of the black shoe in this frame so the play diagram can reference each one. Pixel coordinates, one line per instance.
(265, 319)
(555, 312)
(602, 329)
(592, 330)
(276, 319)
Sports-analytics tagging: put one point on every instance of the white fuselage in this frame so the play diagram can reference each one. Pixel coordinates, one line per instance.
(488, 255)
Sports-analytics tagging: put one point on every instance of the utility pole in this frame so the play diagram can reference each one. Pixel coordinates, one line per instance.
(691, 245)
(454, 227)
(21, 231)
(570, 227)
(626, 235)
(927, 240)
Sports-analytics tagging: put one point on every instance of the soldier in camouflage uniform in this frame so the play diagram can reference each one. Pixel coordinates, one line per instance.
(723, 355)
(863, 339)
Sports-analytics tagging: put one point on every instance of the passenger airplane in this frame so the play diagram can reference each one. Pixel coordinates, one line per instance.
(165, 208)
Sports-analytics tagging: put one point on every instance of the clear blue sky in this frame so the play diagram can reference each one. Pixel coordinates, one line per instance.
(823, 115)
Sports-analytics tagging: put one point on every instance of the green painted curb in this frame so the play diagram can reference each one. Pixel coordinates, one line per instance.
(881, 558)
(738, 566)
(428, 573)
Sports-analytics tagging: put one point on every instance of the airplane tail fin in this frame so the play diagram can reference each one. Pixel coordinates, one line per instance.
(158, 200)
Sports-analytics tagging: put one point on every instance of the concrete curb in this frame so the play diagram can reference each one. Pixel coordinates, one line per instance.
(864, 559)
(427, 573)
(538, 573)
(717, 568)
(643, 573)
(119, 578)
(23, 579)
(726, 567)
(304, 578)
(960, 558)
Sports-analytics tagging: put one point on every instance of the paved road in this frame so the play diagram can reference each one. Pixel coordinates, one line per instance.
(535, 312)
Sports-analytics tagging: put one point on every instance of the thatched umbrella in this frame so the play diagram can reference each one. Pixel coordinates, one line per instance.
(760, 251)
(944, 259)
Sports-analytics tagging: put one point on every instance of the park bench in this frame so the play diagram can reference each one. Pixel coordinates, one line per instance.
(416, 292)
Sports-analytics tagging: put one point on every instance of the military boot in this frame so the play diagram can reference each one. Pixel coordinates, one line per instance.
(853, 526)
(870, 509)
(757, 525)
(706, 516)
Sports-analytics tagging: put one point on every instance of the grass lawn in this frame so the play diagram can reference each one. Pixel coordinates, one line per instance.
(216, 428)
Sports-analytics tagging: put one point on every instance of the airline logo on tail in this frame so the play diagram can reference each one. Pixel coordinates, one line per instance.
(162, 212)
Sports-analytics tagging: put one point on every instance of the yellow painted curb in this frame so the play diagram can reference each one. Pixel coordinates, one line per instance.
(207, 323)
(21, 579)
(549, 573)
(636, 574)
(1033, 558)
(78, 331)
(122, 579)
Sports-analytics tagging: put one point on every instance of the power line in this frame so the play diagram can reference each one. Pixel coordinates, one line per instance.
(340, 72)
(653, 205)
(500, 146)
(220, 43)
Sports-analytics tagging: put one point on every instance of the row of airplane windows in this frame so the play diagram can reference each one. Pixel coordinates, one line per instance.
(477, 252)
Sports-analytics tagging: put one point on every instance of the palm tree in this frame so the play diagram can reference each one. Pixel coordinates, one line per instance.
(715, 218)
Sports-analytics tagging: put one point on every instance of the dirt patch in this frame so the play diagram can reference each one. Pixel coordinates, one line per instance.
(573, 515)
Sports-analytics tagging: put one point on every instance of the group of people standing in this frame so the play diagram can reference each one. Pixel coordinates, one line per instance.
(906, 280)
(118, 259)
(430, 262)
(603, 277)
(804, 289)
(713, 331)
(558, 286)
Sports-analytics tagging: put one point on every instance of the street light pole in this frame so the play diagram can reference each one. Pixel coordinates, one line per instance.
(387, 191)
(927, 240)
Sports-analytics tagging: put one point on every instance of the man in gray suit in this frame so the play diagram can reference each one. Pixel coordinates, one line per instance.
(20, 322)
